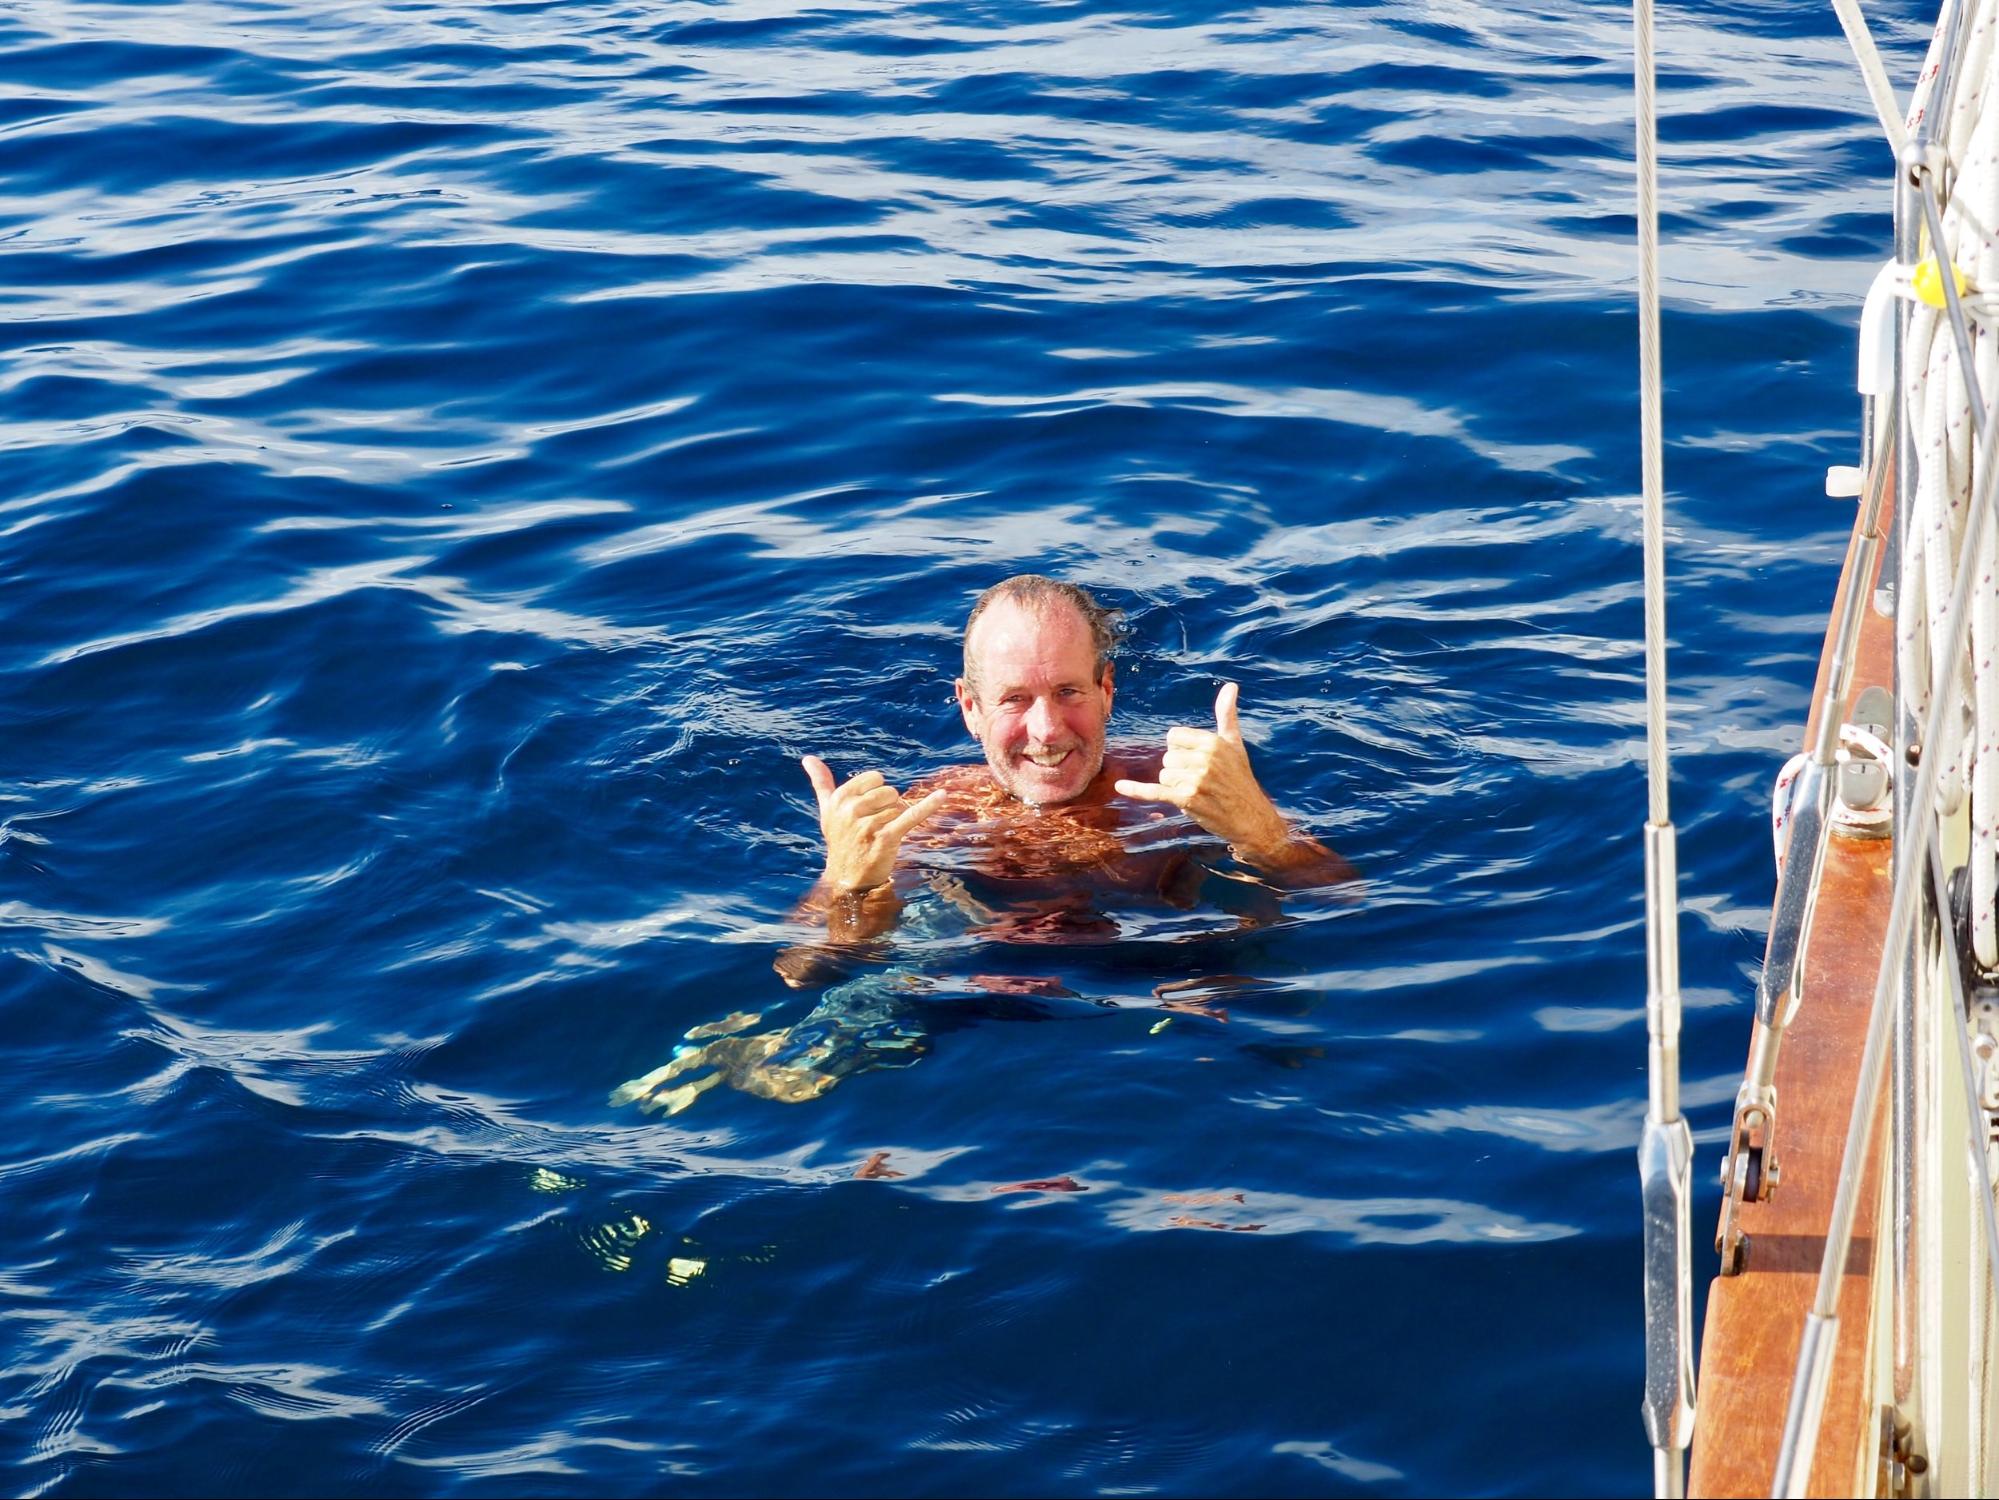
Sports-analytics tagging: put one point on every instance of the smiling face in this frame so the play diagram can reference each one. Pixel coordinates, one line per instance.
(1035, 700)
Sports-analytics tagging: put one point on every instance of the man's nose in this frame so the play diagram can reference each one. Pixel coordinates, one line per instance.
(1041, 720)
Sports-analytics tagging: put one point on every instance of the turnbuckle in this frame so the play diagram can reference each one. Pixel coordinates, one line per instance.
(1749, 1172)
(1852, 802)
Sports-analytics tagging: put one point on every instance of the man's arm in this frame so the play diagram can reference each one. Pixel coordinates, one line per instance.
(864, 821)
(1206, 775)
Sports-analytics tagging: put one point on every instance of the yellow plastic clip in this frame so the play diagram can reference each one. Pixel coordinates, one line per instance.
(1927, 283)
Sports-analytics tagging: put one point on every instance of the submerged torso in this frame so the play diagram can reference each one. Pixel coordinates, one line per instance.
(1058, 873)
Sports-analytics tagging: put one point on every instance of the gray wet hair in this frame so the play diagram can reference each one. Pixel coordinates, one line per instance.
(1033, 592)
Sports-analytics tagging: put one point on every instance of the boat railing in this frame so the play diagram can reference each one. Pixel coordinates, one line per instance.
(1920, 985)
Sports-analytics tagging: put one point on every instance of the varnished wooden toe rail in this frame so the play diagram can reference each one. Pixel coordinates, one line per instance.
(1755, 1321)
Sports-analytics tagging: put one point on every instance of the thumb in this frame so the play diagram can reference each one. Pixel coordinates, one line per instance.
(1226, 724)
(820, 775)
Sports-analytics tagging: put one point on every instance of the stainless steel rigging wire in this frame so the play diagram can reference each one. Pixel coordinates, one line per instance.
(1665, 1152)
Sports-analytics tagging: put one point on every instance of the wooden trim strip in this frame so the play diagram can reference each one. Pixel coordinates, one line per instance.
(1755, 1321)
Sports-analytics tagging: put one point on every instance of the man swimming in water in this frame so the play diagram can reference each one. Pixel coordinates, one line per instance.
(1028, 846)
(1050, 802)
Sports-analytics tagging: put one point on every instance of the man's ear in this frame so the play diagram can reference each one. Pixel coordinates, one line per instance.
(1109, 686)
(968, 707)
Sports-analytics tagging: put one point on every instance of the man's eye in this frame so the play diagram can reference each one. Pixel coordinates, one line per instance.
(1013, 700)
(1070, 692)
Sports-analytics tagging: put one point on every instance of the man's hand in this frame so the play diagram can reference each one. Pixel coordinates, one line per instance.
(1206, 775)
(864, 821)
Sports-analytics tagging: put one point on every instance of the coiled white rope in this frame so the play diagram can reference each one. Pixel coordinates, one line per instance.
(1936, 402)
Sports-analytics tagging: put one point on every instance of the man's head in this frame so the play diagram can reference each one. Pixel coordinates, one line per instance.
(1037, 685)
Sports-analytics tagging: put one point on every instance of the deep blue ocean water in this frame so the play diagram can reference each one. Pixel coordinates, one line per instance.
(459, 456)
